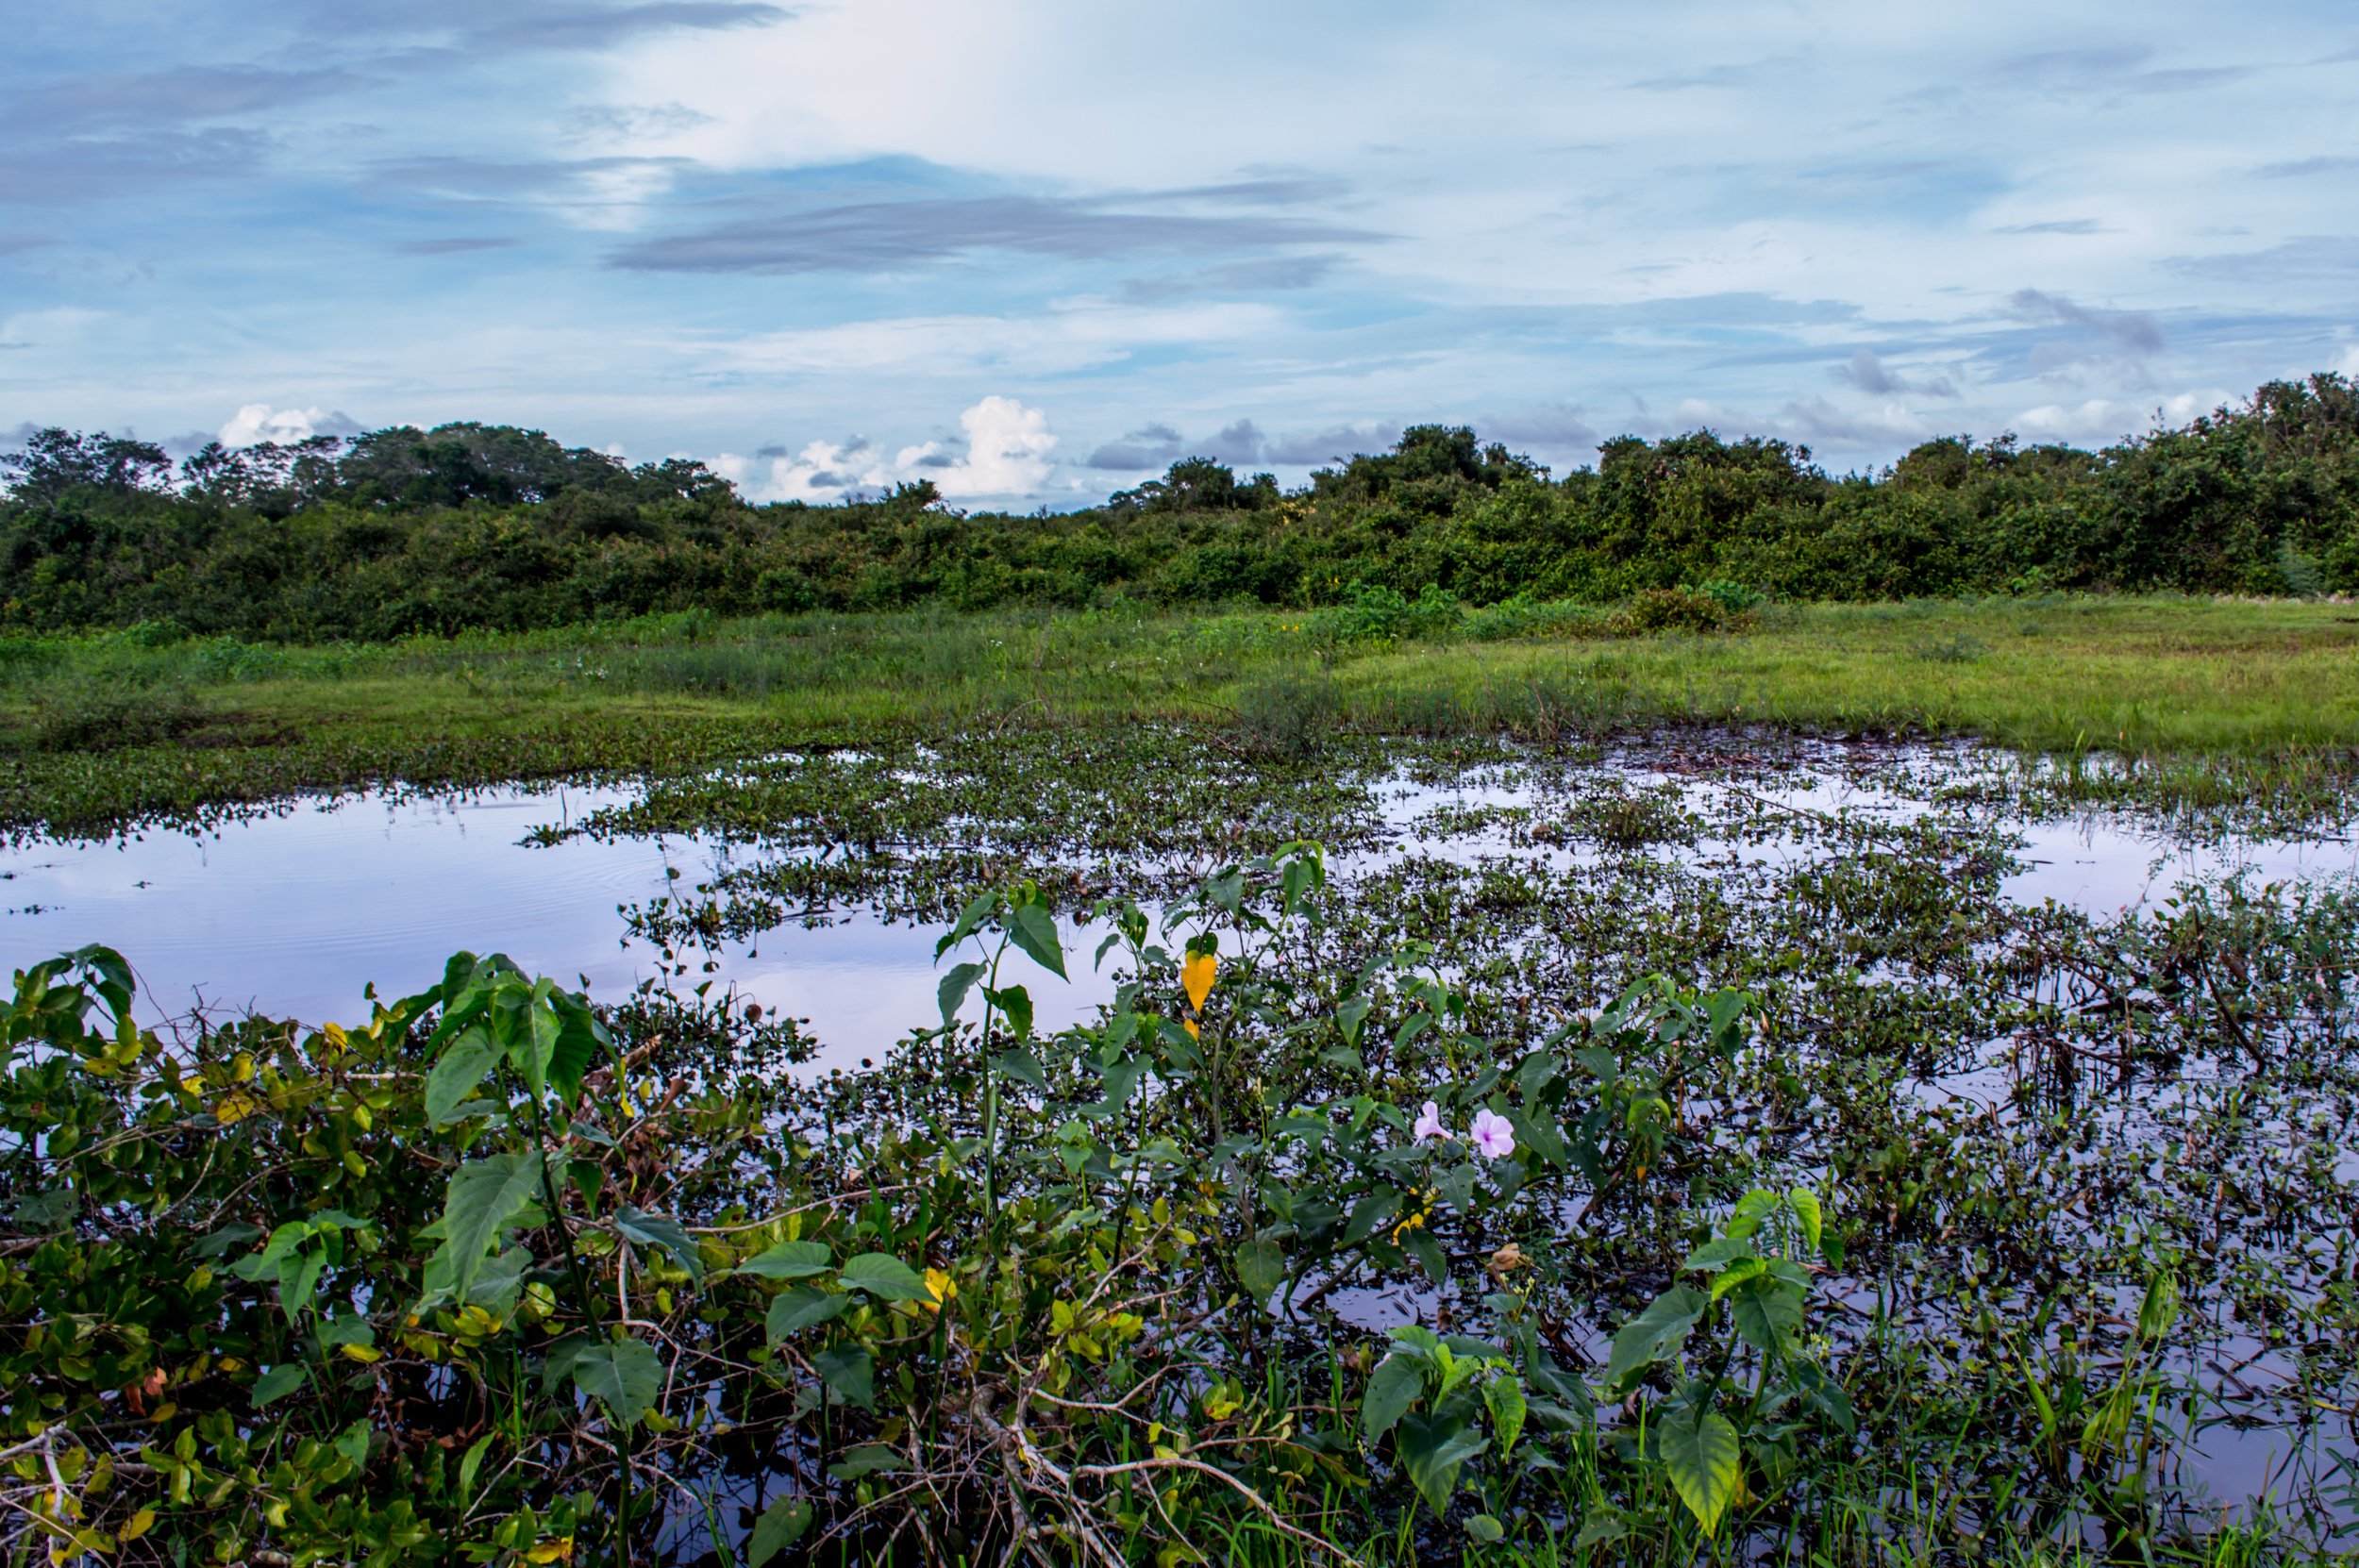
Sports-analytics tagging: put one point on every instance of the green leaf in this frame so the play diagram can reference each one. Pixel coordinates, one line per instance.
(1605, 1525)
(1485, 1529)
(480, 1200)
(661, 1231)
(1805, 1205)
(1395, 1385)
(1701, 1456)
(1504, 1396)
(1349, 1015)
(2160, 1309)
(781, 1524)
(787, 1260)
(624, 1376)
(970, 921)
(1737, 1273)
(559, 1365)
(885, 1277)
(1655, 1332)
(278, 1382)
(580, 1040)
(1421, 1246)
(1717, 1255)
(1033, 929)
(1260, 1268)
(1016, 1004)
(472, 1465)
(866, 1460)
(1766, 1314)
(954, 988)
(455, 1076)
(531, 1047)
(1370, 1215)
(851, 1372)
(1433, 1452)
(801, 1307)
(1024, 1067)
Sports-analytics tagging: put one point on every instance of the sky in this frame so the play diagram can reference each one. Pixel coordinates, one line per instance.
(1036, 250)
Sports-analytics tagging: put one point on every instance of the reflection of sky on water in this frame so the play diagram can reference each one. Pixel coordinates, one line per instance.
(292, 913)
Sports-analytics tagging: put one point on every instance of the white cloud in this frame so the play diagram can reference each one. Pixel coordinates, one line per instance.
(1007, 454)
(2102, 419)
(256, 423)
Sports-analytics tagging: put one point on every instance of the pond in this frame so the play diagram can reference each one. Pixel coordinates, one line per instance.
(290, 912)
(2048, 1049)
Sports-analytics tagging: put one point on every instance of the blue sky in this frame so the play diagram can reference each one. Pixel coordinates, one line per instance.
(1037, 249)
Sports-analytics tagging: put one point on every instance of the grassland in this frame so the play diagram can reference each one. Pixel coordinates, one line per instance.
(102, 729)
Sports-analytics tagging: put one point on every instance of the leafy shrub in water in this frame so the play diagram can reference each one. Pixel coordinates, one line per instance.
(500, 1276)
(1287, 718)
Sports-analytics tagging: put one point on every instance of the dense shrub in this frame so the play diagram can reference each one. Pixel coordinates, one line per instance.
(472, 526)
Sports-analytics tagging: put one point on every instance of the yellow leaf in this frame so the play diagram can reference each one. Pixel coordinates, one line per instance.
(364, 1354)
(1189, 1024)
(1195, 977)
(234, 1106)
(140, 1525)
(334, 1033)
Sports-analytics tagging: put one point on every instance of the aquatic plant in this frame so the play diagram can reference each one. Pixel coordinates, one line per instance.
(500, 1276)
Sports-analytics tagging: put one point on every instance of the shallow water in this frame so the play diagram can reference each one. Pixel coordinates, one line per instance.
(292, 913)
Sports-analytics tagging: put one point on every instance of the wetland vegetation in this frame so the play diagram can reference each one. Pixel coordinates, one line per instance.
(1587, 1074)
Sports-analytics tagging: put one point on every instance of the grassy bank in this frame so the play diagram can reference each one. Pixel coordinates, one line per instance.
(102, 730)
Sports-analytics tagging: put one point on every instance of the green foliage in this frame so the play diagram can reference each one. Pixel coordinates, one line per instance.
(475, 527)
(497, 1275)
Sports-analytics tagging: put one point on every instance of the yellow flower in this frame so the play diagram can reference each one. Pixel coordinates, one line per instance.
(1195, 977)
(941, 1286)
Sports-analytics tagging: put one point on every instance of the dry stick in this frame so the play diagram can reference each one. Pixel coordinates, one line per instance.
(1242, 1490)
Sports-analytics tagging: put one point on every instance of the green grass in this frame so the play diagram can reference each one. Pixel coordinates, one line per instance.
(107, 728)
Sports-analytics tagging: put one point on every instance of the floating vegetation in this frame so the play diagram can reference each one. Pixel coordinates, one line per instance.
(1655, 1154)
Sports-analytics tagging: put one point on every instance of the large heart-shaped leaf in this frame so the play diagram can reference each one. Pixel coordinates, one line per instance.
(1032, 928)
(884, 1275)
(482, 1199)
(1504, 1398)
(1395, 1385)
(851, 1372)
(1701, 1454)
(1654, 1333)
(788, 1260)
(1260, 1268)
(1433, 1452)
(953, 990)
(661, 1231)
(802, 1307)
(624, 1376)
(781, 1524)
(1767, 1314)
(456, 1075)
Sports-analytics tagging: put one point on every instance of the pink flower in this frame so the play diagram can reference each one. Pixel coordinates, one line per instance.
(1494, 1138)
(1430, 1123)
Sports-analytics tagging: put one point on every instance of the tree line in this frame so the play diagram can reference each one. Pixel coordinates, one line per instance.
(403, 531)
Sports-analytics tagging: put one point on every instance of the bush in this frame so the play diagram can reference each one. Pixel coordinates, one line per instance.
(1654, 610)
